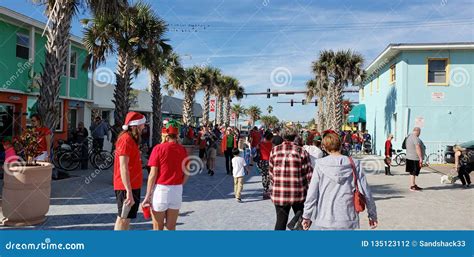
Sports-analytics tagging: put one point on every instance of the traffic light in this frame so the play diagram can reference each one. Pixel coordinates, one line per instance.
(303, 102)
(268, 93)
(291, 102)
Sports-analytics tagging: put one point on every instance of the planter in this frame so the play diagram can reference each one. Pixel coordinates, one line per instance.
(26, 194)
(189, 149)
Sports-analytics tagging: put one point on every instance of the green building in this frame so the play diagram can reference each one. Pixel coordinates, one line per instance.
(22, 53)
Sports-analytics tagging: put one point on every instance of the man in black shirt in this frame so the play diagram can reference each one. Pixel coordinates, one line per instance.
(277, 139)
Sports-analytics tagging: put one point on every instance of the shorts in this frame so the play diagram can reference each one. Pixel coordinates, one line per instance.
(202, 153)
(413, 167)
(212, 153)
(121, 195)
(167, 197)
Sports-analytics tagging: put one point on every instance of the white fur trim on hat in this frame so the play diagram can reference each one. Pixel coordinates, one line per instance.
(137, 122)
(125, 127)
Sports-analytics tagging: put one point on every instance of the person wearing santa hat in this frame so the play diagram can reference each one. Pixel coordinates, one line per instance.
(165, 188)
(128, 176)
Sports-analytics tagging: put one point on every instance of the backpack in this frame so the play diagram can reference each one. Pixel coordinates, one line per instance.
(404, 144)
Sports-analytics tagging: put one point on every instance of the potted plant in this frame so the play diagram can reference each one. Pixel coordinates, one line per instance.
(27, 184)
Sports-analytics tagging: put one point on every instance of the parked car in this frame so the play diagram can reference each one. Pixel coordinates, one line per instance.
(449, 153)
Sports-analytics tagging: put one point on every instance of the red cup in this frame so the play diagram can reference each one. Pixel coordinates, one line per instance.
(146, 212)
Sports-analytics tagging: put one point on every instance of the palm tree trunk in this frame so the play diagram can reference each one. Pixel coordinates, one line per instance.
(338, 108)
(319, 115)
(207, 97)
(329, 107)
(227, 111)
(187, 107)
(122, 91)
(60, 15)
(220, 117)
(156, 107)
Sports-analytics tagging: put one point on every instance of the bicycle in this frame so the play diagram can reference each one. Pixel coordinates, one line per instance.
(437, 157)
(71, 159)
(400, 158)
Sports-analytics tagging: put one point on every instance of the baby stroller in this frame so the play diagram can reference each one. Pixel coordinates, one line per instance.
(368, 146)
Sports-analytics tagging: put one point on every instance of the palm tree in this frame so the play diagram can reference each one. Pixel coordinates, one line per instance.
(269, 120)
(254, 113)
(208, 80)
(58, 28)
(347, 68)
(319, 87)
(220, 90)
(232, 90)
(270, 109)
(124, 34)
(187, 82)
(239, 111)
(159, 59)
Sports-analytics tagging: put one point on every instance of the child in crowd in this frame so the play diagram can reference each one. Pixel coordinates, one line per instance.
(10, 154)
(239, 170)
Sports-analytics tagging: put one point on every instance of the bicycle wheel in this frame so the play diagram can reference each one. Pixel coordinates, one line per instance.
(69, 161)
(400, 159)
(394, 163)
(103, 160)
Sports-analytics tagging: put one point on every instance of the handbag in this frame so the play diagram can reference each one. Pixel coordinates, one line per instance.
(297, 222)
(359, 198)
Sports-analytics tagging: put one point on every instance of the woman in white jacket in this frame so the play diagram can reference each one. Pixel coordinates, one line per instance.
(330, 197)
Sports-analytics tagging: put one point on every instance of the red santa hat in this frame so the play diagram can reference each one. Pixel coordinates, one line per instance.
(133, 119)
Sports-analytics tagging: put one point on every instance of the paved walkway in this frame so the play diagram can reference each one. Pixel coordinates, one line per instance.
(86, 202)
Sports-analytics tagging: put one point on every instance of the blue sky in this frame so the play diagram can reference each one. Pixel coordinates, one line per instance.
(255, 39)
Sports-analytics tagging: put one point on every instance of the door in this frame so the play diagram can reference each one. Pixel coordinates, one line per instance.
(7, 124)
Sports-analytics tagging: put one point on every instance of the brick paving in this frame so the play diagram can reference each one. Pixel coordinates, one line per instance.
(88, 202)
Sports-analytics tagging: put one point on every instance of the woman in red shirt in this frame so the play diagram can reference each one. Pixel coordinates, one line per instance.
(128, 175)
(388, 155)
(44, 138)
(265, 147)
(168, 163)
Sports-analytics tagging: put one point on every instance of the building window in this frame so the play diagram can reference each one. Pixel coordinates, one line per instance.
(393, 74)
(437, 71)
(60, 110)
(73, 65)
(22, 46)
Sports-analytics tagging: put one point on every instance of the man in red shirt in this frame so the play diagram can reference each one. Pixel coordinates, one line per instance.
(255, 138)
(169, 164)
(128, 176)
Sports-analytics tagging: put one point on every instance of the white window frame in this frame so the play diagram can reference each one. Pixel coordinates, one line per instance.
(26, 46)
(61, 117)
(73, 75)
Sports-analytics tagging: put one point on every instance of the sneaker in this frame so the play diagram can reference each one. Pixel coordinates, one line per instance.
(239, 200)
(415, 189)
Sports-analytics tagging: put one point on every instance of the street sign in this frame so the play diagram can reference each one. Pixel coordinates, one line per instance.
(213, 105)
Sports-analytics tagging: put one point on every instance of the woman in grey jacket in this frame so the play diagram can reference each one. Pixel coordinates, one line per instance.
(330, 198)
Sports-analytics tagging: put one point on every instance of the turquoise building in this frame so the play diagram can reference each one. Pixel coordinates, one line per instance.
(420, 85)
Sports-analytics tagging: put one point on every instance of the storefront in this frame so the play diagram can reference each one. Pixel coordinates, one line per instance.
(12, 114)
